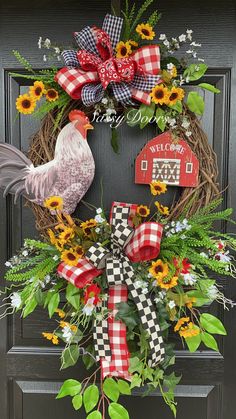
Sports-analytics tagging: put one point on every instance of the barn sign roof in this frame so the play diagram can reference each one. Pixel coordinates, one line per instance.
(171, 162)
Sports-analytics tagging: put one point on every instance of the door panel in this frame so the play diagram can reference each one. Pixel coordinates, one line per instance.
(29, 366)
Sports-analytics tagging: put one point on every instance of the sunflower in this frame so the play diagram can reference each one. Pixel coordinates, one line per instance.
(145, 31)
(186, 328)
(37, 90)
(157, 187)
(160, 94)
(123, 49)
(175, 94)
(159, 269)
(87, 226)
(67, 234)
(79, 250)
(162, 210)
(165, 283)
(52, 236)
(54, 203)
(25, 104)
(52, 95)
(70, 257)
(59, 245)
(143, 211)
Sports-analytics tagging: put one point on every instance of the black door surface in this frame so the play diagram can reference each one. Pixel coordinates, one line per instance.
(29, 368)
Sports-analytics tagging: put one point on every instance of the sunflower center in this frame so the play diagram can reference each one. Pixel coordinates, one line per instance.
(26, 104)
(157, 188)
(159, 94)
(53, 204)
(38, 91)
(173, 96)
(123, 50)
(142, 211)
(158, 269)
(70, 256)
(79, 251)
(67, 236)
(87, 230)
(145, 32)
(52, 93)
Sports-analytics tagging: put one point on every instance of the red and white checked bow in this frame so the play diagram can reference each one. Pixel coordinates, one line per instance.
(127, 245)
(89, 71)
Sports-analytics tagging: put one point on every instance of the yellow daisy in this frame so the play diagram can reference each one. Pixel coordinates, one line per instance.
(52, 95)
(123, 49)
(162, 210)
(51, 337)
(88, 225)
(145, 31)
(67, 234)
(52, 236)
(157, 187)
(175, 94)
(160, 94)
(186, 328)
(190, 302)
(143, 211)
(54, 203)
(165, 283)
(159, 269)
(60, 313)
(37, 90)
(70, 257)
(25, 104)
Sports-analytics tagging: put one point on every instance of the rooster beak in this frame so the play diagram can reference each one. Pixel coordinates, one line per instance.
(88, 126)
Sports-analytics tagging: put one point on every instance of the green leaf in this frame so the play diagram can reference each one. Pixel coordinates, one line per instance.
(53, 303)
(114, 140)
(160, 119)
(30, 307)
(201, 298)
(136, 381)
(147, 112)
(209, 341)
(94, 415)
(128, 314)
(116, 411)
(69, 388)
(72, 296)
(209, 87)
(135, 365)
(69, 356)
(132, 117)
(77, 401)
(177, 106)
(124, 387)
(195, 71)
(193, 342)
(195, 103)
(212, 325)
(111, 389)
(91, 396)
(170, 381)
(87, 359)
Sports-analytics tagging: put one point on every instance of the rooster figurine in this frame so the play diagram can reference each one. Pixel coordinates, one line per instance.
(69, 175)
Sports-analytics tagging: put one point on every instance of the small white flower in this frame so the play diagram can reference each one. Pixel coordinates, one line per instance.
(188, 133)
(110, 111)
(178, 227)
(56, 257)
(40, 42)
(162, 37)
(170, 66)
(183, 237)
(25, 253)
(138, 284)
(194, 44)
(104, 101)
(57, 50)
(89, 307)
(182, 38)
(99, 211)
(171, 304)
(149, 275)
(97, 230)
(44, 57)
(99, 218)
(8, 264)
(144, 291)
(166, 43)
(212, 292)
(58, 58)
(67, 333)
(189, 51)
(189, 34)
(185, 124)
(201, 59)
(47, 279)
(204, 255)
(15, 300)
(189, 279)
(223, 257)
(47, 43)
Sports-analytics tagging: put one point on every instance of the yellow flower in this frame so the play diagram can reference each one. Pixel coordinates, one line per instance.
(59, 245)
(143, 211)
(157, 187)
(80, 251)
(160, 94)
(52, 95)
(145, 31)
(173, 72)
(67, 235)
(162, 210)
(133, 43)
(25, 104)
(70, 257)
(159, 269)
(88, 225)
(54, 203)
(71, 326)
(186, 328)
(52, 236)
(175, 94)
(167, 283)
(60, 313)
(51, 337)
(190, 302)
(123, 49)
(37, 90)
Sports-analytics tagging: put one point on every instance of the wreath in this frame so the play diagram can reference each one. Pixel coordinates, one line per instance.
(132, 274)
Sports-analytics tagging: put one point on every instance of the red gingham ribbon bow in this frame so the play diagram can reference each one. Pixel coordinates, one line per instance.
(142, 244)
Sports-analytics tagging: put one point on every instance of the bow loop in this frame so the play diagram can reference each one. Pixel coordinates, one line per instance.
(97, 255)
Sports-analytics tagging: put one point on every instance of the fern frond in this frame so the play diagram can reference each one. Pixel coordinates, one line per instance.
(27, 66)
(38, 271)
(37, 244)
(154, 18)
(140, 13)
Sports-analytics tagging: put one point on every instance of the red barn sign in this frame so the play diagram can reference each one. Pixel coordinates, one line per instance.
(171, 162)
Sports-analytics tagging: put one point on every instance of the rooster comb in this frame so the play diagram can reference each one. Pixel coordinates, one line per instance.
(76, 114)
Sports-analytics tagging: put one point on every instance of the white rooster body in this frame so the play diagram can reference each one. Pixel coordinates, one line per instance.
(68, 175)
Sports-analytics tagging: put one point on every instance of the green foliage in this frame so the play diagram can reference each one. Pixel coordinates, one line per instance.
(146, 113)
(69, 356)
(117, 411)
(193, 342)
(73, 296)
(95, 415)
(69, 388)
(39, 270)
(124, 387)
(128, 314)
(77, 401)
(114, 140)
(90, 398)
(211, 324)
(209, 87)
(195, 71)
(132, 18)
(209, 341)
(111, 389)
(160, 118)
(195, 103)
(25, 64)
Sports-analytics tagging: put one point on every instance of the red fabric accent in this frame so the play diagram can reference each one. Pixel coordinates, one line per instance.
(119, 364)
(148, 59)
(73, 79)
(145, 243)
(79, 275)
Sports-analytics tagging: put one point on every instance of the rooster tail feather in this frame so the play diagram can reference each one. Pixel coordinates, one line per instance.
(14, 166)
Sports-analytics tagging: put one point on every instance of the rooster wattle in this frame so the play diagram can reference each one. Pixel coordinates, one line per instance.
(68, 175)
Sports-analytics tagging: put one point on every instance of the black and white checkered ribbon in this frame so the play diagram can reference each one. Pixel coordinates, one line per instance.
(119, 270)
